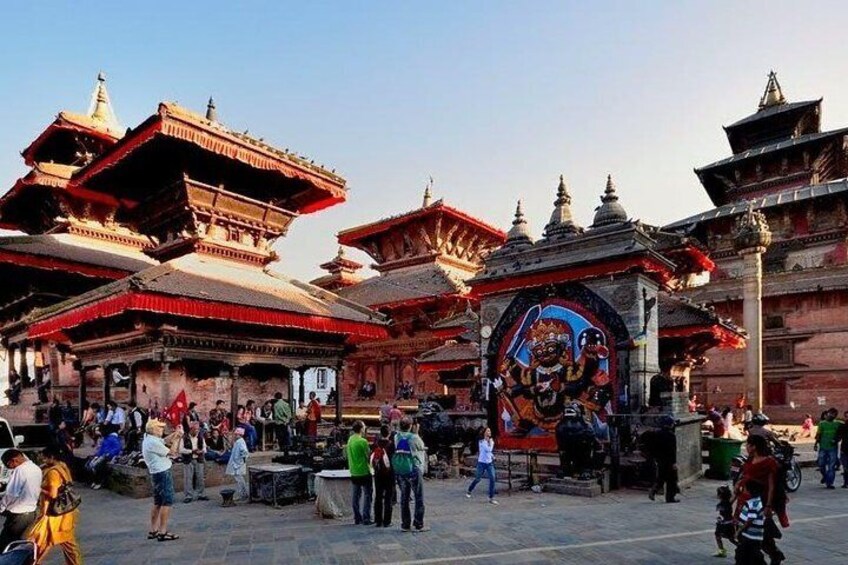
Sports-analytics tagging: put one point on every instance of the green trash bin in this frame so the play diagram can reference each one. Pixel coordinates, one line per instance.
(721, 453)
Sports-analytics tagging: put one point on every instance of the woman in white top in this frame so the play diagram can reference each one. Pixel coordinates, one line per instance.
(485, 465)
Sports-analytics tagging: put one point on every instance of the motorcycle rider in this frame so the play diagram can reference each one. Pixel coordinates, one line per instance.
(757, 427)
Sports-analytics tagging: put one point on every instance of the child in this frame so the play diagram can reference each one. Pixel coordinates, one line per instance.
(724, 520)
(807, 426)
(749, 535)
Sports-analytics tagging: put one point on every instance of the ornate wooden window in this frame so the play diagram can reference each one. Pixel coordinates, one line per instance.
(778, 354)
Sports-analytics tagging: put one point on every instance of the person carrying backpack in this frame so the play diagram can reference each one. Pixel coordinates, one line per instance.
(384, 478)
(409, 476)
(360, 474)
(136, 422)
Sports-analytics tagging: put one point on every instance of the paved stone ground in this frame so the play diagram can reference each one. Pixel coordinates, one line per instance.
(623, 527)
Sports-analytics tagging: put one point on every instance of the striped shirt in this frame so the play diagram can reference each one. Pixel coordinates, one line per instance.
(753, 512)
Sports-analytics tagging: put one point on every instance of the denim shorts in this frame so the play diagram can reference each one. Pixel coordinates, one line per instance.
(163, 488)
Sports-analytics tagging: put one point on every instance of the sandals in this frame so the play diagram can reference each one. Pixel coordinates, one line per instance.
(152, 535)
(167, 536)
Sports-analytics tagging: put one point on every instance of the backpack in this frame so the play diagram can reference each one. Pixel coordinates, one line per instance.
(380, 462)
(403, 462)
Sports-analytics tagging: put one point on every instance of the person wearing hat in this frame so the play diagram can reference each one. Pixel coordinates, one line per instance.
(193, 455)
(237, 466)
(157, 452)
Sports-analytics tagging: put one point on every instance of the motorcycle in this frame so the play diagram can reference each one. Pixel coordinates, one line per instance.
(785, 455)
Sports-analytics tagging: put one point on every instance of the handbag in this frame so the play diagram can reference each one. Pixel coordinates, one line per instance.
(67, 500)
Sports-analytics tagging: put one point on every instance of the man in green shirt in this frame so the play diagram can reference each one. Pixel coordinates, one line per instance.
(826, 435)
(281, 417)
(358, 452)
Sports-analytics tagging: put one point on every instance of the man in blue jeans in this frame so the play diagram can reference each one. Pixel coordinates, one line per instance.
(358, 453)
(826, 438)
(409, 477)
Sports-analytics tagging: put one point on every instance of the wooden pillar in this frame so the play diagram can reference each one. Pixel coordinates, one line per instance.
(165, 385)
(82, 391)
(234, 393)
(10, 355)
(301, 388)
(339, 368)
(39, 369)
(133, 388)
(107, 382)
(23, 369)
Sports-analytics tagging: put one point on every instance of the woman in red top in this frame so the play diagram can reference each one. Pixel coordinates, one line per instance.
(764, 469)
(313, 415)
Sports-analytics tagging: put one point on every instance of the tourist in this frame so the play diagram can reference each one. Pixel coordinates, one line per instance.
(98, 465)
(157, 452)
(395, 416)
(116, 417)
(806, 427)
(826, 438)
(13, 393)
(762, 468)
(485, 464)
(54, 415)
(218, 417)
(724, 529)
(192, 453)
(313, 415)
(408, 473)
(244, 415)
(20, 501)
(217, 447)
(136, 419)
(360, 474)
(665, 454)
(91, 422)
(237, 465)
(750, 533)
(44, 386)
(748, 416)
(385, 412)
(282, 419)
(189, 417)
(384, 478)
(50, 530)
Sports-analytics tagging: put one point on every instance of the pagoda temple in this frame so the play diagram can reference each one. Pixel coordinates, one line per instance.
(423, 258)
(201, 311)
(784, 166)
(72, 240)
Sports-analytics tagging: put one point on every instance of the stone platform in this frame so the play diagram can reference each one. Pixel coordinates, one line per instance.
(576, 487)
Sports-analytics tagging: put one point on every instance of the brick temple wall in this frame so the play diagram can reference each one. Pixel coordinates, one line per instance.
(809, 374)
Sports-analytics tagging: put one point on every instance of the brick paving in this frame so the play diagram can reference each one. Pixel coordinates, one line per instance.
(622, 527)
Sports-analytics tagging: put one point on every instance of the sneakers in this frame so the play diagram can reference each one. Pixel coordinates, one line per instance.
(720, 553)
(405, 529)
(493, 501)
(187, 499)
(422, 529)
(202, 497)
(467, 495)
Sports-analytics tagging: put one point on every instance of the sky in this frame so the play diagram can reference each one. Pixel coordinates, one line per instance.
(494, 100)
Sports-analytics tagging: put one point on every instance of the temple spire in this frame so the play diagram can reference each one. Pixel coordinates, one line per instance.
(562, 221)
(773, 95)
(211, 112)
(610, 211)
(428, 196)
(100, 108)
(519, 234)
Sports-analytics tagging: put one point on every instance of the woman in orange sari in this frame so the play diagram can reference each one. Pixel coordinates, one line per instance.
(48, 531)
(313, 415)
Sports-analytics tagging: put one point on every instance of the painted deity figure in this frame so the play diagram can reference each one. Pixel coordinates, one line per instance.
(535, 394)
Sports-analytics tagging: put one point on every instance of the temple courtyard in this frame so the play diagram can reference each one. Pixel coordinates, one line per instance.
(621, 527)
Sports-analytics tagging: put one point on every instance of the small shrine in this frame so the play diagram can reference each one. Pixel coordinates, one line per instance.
(587, 316)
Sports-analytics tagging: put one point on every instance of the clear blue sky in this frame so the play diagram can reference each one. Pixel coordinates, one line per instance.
(493, 99)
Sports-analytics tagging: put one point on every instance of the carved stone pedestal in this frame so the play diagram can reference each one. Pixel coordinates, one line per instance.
(574, 487)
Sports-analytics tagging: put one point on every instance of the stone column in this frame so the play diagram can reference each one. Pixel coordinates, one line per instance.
(165, 385)
(23, 370)
(751, 238)
(339, 369)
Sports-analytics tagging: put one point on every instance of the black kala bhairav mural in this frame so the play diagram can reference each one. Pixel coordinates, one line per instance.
(551, 353)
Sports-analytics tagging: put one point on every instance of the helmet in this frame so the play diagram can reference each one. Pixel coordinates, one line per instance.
(759, 419)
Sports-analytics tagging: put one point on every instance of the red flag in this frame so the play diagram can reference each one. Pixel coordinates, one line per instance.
(177, 410)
